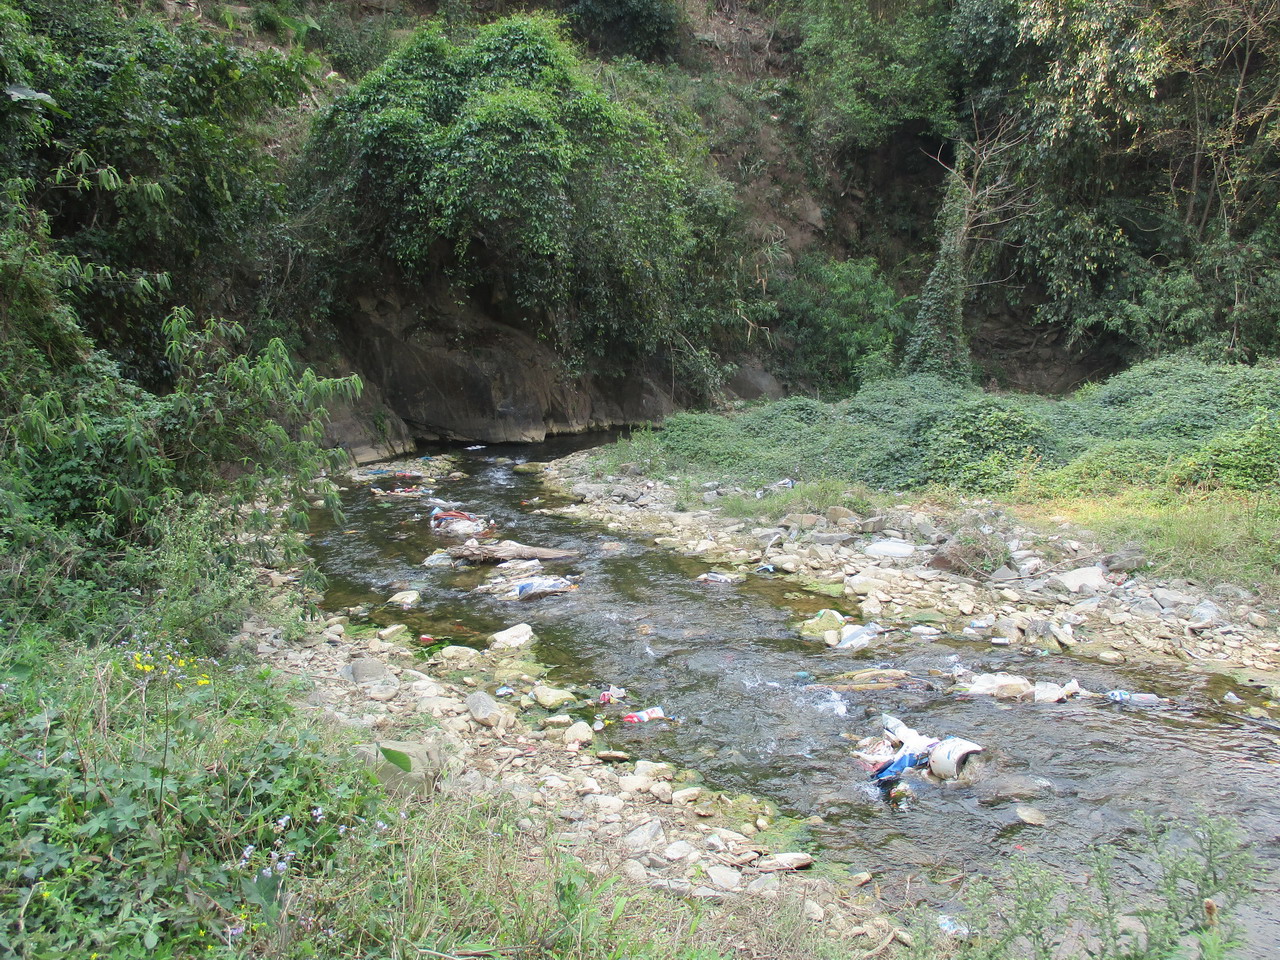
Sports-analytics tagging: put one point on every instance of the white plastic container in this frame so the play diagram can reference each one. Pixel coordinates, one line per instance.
(949, 755)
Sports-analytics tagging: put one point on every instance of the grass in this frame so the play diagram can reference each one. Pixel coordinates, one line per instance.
(1177, 456)
(158, 802)
(1212, 537)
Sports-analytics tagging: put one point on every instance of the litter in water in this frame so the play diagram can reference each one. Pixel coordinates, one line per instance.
(644, 716)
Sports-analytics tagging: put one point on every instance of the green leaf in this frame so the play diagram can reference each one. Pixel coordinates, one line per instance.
(401, 760)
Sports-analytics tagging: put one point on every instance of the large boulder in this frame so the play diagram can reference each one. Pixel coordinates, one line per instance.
(454, 372)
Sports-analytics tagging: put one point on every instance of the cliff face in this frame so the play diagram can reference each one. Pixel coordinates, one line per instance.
(441, 371)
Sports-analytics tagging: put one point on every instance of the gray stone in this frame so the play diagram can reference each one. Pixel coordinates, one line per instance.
(1081, 580)
(830, 539)
(1207, 612)
(655, 771)
(484, 709)
(386, 688)
(785, 862)
(512, 638)
(1003, 573)
(430, 762)
(766, 884)
(550, 698)
(457, 655)
(605, 804)
(1147, 608)
(645, 836)
(580, 732)
(364, 670)
(725, 878)
(680, 850)
(1171, 598)
(634, 871)
(897, 549)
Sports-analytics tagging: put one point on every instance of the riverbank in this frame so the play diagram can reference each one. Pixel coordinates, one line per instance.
(975, 567)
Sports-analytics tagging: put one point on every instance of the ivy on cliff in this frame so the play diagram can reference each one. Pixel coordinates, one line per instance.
(499, 162)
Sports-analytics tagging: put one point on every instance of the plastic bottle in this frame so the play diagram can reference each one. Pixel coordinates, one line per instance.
(643, 716)
(1134, 699)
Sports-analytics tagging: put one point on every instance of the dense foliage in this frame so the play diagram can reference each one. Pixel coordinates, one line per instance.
(499, 161)
(1176, 421)
(1120, 159)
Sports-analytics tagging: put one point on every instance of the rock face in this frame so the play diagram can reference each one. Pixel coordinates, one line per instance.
(468, 377)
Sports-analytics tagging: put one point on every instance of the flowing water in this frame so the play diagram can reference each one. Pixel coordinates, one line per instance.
(724, 660)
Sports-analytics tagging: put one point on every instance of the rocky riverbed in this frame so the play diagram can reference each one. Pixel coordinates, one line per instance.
(485, 716)
(644, 821)
(1058, 591)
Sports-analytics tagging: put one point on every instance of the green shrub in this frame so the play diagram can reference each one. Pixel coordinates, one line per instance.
(648, 29)
(500, 162)
(1108, 468)
(152, 802)
(845, 320)
(1247, 459)
(981, 445)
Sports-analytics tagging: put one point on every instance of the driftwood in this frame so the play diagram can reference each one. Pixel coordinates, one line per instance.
(506, 550)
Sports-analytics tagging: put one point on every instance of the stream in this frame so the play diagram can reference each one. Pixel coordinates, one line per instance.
(724, 660)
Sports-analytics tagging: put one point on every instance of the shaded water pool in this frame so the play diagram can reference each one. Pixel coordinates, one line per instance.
(724, 661)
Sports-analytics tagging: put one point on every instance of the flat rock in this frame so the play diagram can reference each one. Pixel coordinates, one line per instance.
(680, 850)
(647, 835)
(898, 549)
(457, 655)
(484, 709)
(550, 698)
(512, 638)
(365, 670)
(781, 862)
(655, 771)
(1081, 580)
(405, 598)
(766, 884)
(724, 878)
(686, 797)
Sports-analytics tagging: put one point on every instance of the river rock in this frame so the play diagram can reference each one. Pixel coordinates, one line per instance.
(686, 797)
(550, 698)
(1081, 580)
(604, 804)
(634, 871)
(725, 878)
(767, 885)
(457, 656)
(1171, 598)
(430, 762)
(647, 835)
(1207, 612)
(405, 598)
(365, 670)
(785, 862)
(512, 638)
(661, 791)
(821, 622)
(1147, 608)
(580, 732)
(655, 771)
(484, 709)
(635, 784)
(897, 549)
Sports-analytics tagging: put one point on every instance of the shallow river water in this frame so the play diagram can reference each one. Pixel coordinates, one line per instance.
(724, 661)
